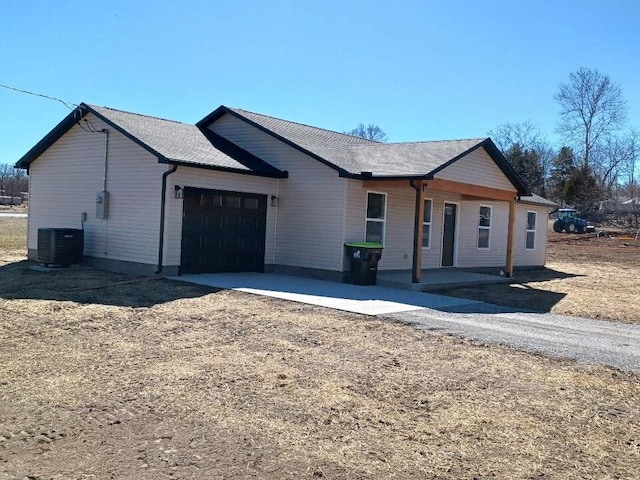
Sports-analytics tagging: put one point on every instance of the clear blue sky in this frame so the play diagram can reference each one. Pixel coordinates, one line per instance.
(421, 70)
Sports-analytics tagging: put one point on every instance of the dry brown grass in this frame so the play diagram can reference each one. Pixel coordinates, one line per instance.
(13, 238)
(586, 276)
(166, 380)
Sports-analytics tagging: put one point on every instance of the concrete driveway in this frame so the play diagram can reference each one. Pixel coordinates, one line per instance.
(591, 341)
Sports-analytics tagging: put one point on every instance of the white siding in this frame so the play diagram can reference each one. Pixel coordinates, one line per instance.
(398, 248)
(476, 168)
(398, 244)
(469, 255)
(310, 216)
(65, 180)
(537, 256)
(200, 178)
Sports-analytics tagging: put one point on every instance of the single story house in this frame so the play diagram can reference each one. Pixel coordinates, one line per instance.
(241, 191)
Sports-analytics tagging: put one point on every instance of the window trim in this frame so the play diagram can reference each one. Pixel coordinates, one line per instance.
(430, 223)
(480, 227)
(383, 220)
(527, 230)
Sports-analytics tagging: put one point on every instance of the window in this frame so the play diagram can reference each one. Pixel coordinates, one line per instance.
(251, 203)
(484, 226)
(376, 213)
(233, 202)
(531, 230)
(426, 224)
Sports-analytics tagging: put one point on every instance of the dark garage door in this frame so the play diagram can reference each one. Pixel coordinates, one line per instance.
(223, 231)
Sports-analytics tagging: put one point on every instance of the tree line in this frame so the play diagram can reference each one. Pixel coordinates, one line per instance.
(597, 159)
(598, 156)
(13, 183)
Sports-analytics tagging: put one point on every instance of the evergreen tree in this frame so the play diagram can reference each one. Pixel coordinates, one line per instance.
(562, 166)
(526, 162)
(582, 190)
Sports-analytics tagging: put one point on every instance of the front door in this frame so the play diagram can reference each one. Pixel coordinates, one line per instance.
(449, 234)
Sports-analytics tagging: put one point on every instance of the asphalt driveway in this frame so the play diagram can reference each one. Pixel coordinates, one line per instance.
(592, 341)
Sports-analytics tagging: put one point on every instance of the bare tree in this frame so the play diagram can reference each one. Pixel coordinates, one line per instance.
(592, 109)
(13, 182)
(370, 132)
(526, 137)
(614, 157)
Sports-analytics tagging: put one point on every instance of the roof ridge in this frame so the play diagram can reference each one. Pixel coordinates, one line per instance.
(235, 109)
(139, 114)
(478, 139)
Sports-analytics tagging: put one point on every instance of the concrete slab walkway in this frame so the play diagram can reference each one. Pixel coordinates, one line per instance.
(369, 300)
(435, 279)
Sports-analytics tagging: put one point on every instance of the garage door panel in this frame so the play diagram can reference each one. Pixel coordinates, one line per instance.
(223, 231)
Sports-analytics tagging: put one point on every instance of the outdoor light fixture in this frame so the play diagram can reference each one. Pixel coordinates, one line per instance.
(275, 201)
(178, 191)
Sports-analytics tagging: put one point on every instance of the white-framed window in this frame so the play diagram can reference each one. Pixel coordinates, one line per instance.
(531, 230)
(426, 223)
(484, 227)
(376, 217)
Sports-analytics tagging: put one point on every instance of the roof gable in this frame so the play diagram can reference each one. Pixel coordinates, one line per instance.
(326, 146)
(169, 141)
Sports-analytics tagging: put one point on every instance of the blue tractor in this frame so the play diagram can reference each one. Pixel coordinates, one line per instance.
(568, 221)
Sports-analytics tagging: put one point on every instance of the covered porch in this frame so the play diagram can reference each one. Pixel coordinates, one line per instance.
(423, 276)
(437, 279)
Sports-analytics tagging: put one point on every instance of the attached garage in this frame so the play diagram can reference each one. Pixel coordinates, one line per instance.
(244, 192)
(223, 231)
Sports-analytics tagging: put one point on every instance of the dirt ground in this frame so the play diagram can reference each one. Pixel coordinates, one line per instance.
(586, 276)
(23, 208)
(109, 376)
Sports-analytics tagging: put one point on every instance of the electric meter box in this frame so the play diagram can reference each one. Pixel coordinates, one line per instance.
(102, 204)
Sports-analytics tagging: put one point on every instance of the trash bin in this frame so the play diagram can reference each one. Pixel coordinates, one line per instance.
(363, 259)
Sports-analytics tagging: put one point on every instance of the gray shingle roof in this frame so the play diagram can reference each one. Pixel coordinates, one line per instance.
(169, 140)
(355, 155)
(173, 140)
(326, 144)
(409, 159)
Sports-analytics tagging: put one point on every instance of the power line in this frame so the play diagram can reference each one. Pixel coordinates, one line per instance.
(66, 104)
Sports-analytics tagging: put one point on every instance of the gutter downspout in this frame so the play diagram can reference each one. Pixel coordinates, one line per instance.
(163, 202)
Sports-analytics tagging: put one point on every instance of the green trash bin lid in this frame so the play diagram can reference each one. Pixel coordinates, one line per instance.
(363, 244)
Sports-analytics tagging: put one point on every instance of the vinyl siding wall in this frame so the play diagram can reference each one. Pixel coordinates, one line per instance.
(537, 256)
(469, 255)
(200, 178)
(65, 180)
(310, 215)
(398, 251)
(477, 168)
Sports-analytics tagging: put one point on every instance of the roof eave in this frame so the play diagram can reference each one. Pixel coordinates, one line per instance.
(277, 174)
(366, 176)
(66, 124)
(50, 138)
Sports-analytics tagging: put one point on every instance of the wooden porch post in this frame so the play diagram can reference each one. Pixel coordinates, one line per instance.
(416, 273)
(511, 238)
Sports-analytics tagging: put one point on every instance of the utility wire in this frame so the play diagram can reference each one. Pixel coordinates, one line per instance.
(66, 104)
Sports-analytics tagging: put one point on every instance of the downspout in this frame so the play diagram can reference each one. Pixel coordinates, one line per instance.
(163, 202)
(104, 189)
(106, 158)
